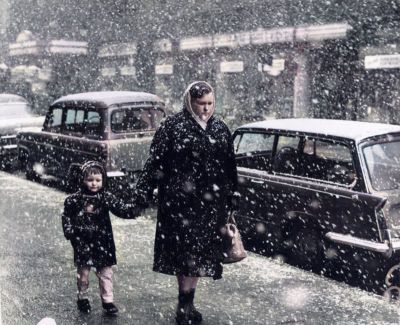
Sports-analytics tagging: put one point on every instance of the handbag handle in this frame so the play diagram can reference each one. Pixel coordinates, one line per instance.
(231, 218)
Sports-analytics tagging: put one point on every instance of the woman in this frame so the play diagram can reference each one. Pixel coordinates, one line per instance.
(193, 166)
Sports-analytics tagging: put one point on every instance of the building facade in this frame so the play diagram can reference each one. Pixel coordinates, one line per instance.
(266, 59)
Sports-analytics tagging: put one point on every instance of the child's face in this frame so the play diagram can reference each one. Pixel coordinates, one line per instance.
(93, 182)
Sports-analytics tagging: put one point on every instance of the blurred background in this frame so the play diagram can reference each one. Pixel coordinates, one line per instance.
(265, 58)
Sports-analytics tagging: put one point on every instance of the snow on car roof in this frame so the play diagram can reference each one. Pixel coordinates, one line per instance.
(11, 98)
(110, 97)
(355, 130)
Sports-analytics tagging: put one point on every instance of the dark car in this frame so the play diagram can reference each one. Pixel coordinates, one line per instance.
(114, 127)
(324, 194)
(15, 115)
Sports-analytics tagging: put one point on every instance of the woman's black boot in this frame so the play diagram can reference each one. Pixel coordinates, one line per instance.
(182, 311)
(194, 314)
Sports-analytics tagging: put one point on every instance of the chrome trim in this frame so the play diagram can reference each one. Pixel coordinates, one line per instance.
(358, 242)
(256, 181)
(395, 244)
(10, 146)
(12, 136)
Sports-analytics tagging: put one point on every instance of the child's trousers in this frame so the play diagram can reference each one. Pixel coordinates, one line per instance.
(105, 283)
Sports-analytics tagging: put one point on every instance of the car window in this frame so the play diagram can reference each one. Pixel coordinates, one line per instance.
(287, 141)
(254, 150)
(328, 160)
(93, 126)
(54, 119)
(74, 120)
(253, 142)
(136, 119)
(287, 159)
(383, 163)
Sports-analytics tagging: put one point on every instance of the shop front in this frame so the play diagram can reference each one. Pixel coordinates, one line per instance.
(42, 71)
(117, 67)
(381, 87)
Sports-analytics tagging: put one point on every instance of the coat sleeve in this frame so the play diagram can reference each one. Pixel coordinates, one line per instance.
(125, 210)
(154, 168)
(67, 218)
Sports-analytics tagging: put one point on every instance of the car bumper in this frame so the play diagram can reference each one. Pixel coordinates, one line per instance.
(386, 247)
(9, 156)
(9, 151)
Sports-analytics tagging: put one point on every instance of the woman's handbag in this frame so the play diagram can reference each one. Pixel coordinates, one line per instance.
(232, 244)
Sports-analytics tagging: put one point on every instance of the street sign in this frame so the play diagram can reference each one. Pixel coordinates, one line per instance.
(382, 61)
(322, 32)
(194, 43)
(231, 66)
(163, 45)
(67, 47)
(164, 69)
(117, 49)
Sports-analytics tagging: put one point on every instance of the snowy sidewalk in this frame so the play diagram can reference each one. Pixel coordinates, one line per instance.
(37, 278)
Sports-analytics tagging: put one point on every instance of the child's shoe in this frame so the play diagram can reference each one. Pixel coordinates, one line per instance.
(110, 308)
(84, 305)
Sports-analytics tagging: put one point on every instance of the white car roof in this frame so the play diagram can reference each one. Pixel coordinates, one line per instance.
(11, 98)
(110, 97)
(354, 130)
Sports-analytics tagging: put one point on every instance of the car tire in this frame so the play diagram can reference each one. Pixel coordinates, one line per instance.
(30, 173)
(307, 248)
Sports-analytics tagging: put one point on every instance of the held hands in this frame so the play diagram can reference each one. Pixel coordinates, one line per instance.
(135, 211)
(234, 202)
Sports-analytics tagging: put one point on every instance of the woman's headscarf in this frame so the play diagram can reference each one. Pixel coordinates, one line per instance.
(187, 99)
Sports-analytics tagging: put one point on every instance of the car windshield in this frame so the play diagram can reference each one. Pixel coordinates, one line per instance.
(383, 163)
(14, 110)
(136, 119)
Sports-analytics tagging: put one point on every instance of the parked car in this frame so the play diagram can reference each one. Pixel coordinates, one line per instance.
(324, 194)
(114, 127)
(15, 115)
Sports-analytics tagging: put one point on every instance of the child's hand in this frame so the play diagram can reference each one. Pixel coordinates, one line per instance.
(135, 212)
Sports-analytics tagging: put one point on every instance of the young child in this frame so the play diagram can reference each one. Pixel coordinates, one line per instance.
(86, 223)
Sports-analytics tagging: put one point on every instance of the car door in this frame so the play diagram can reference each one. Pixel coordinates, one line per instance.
(47, 151)
(254, 152)
(81, 137)
(321, 195)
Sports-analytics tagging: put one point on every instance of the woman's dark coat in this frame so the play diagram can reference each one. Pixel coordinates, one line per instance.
(86, 223)
(195, 172)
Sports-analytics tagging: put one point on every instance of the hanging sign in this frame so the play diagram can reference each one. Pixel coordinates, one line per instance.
(164, 69)
(231, 66)
(382, 61)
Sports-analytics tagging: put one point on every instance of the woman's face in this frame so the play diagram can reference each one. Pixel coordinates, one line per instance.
(203, 107)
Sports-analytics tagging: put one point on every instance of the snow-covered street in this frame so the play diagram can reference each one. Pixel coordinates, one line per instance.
(37, 277)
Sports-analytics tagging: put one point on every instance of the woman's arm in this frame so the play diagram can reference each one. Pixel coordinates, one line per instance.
(120, 208)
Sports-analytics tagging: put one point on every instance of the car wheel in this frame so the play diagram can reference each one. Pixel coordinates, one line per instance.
(307, 249)
(30, 172)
